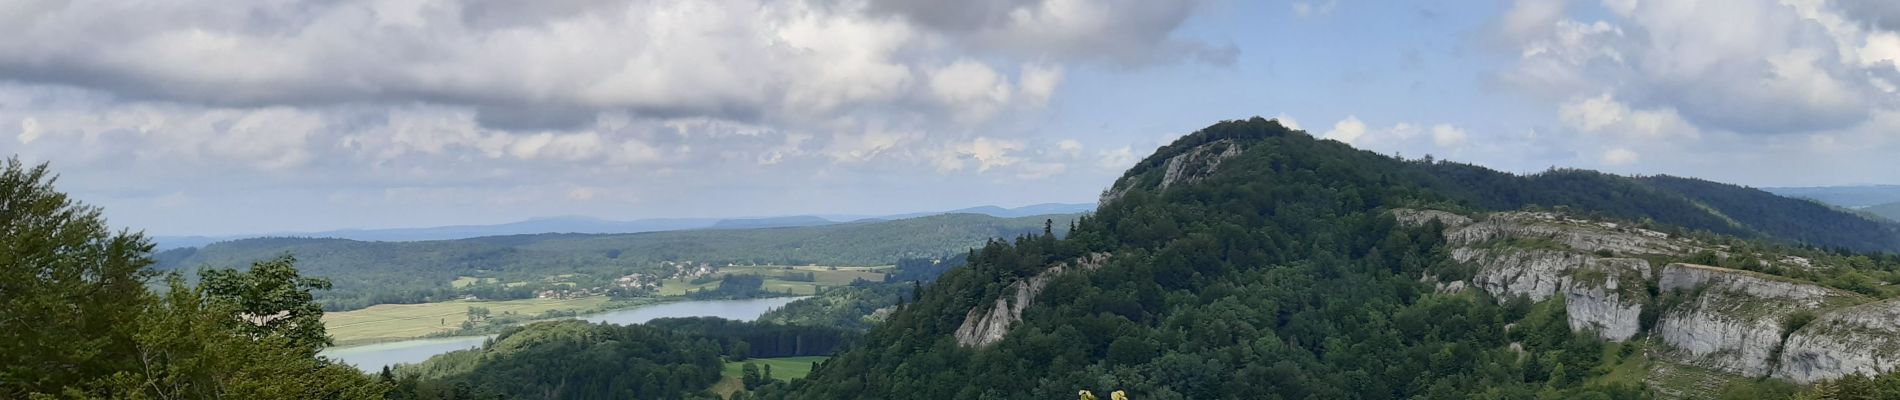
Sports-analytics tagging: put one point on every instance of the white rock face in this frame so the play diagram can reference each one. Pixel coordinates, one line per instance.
(1192, 165)
(1734, 322)
(983, 326)
(1412, 217)
(1609, 298)
(1601, 294)
(1577, 234)
(1863, 339)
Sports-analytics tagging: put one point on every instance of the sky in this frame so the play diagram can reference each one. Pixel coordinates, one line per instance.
(202, 117)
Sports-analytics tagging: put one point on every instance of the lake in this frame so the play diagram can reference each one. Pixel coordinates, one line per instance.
(373, 357)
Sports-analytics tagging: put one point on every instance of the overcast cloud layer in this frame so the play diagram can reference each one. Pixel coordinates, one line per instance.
(207, 117)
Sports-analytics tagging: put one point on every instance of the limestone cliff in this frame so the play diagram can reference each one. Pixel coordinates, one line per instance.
(1722, 319)
(1733, 320)
(1863, 339)
(1539, 255)
(985, 325)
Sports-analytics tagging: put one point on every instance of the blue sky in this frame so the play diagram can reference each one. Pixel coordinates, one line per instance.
(205, 117)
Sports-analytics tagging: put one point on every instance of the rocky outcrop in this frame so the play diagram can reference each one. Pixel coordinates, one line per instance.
(1722, 320)
(1733, 320)
(1414, 217)
(1863, 339)
(1195, 164)
(985, 325)
(1582, 235)
(1605, 295)
(1601, 294)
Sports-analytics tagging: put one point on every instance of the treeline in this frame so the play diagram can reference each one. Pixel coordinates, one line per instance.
(77, 319)
(744, 340)
(662, 359)
(569, 360)
(925, 270)
(733, 286)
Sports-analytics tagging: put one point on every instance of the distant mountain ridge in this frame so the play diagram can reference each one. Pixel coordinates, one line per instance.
(590, 225)
(1844, 196)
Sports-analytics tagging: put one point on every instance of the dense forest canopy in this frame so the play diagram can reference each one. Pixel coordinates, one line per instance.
(1279, 274)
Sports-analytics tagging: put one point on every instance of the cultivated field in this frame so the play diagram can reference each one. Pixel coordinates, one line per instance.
(402, 321)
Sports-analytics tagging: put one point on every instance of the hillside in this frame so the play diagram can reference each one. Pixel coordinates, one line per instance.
(401, 272)
(1890, 211)
(1844, 196)
(1248, 260)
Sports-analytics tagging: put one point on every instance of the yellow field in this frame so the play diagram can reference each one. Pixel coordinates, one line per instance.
(402, 321)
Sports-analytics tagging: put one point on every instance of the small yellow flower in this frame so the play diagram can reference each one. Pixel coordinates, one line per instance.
(1118, 395)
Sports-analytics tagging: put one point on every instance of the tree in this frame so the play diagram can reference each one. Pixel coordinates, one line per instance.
(273, 300)
(69, 286)
(740, 351)
(750, 377)
(77, 321)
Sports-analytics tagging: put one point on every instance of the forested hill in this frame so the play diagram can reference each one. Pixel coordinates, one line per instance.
(364, 269)
(1684, 202)
(1248, 260)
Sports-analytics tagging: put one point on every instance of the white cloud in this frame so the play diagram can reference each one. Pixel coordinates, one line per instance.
(1288, 121)
(970, 90)
(1620, 156)
(1346, 130)
(1039, 83)
(991, 153)
(1445, 135)
(1748, 66)
(1603, 114)
(29, 131)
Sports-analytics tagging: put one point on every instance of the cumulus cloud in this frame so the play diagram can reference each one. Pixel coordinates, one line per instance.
(1129, 32)
(1288, 121)
(1445, 135)
(1797, 66)
(560, 64)
(499, 92)
(1346, 130)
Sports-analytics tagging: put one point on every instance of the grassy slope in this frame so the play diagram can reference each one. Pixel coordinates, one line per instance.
(784, 369)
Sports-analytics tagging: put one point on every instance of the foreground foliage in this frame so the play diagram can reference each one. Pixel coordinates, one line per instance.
(78, 321)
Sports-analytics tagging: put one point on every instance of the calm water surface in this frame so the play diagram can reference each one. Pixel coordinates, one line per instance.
(373, 357)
